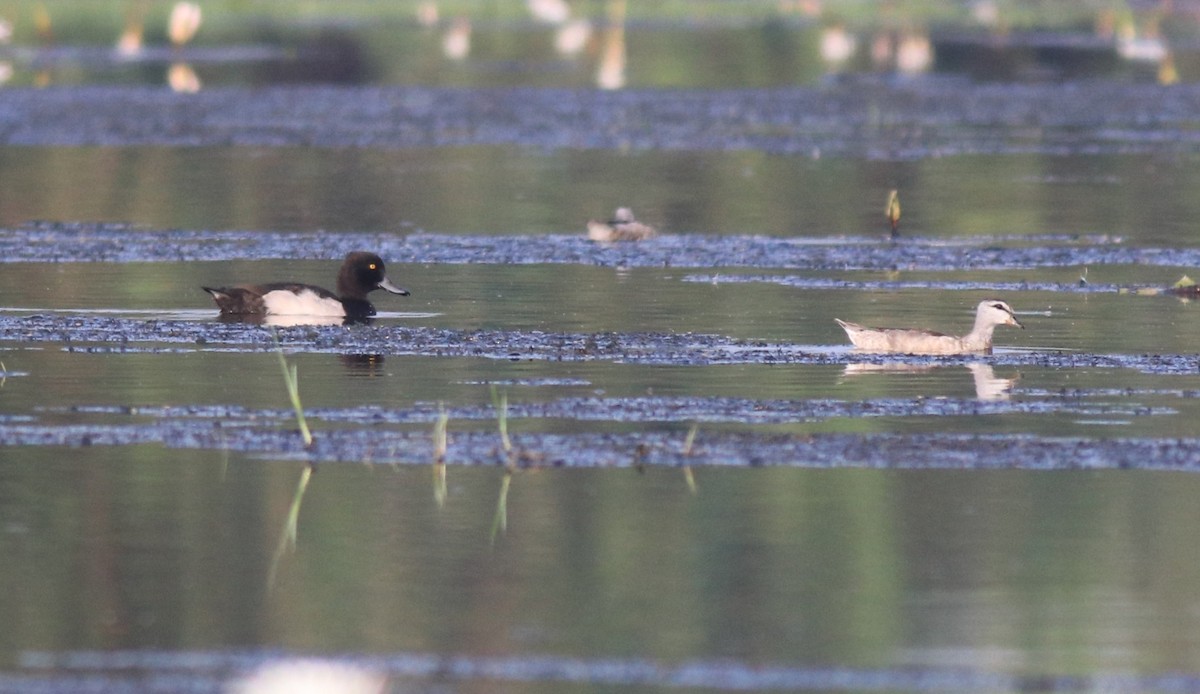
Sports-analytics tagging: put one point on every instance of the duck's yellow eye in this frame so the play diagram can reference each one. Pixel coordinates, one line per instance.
(372, 266)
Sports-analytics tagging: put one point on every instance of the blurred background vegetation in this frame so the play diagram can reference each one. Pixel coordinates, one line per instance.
(700, 43)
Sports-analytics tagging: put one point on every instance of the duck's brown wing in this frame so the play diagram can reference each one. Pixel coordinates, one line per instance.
(633, 231)
(237, 300)
(246, 299)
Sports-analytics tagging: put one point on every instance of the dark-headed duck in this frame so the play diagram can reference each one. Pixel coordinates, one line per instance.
(361, 274)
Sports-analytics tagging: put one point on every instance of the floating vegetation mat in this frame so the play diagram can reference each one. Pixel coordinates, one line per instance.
(101, 334)
(868, 117)
(109, 243)
(363, 434)
(658, 448)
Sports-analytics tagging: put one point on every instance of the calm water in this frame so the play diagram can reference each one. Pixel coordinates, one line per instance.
(1059, 572)
(470, 190)
(128, 562)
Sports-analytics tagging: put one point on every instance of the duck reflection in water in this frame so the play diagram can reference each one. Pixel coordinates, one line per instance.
(362, 365)
(988, 386)
(273, 321)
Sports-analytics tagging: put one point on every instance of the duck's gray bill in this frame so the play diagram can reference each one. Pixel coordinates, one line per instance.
(387, 285)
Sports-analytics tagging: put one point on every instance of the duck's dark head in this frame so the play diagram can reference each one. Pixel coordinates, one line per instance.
(362, 273)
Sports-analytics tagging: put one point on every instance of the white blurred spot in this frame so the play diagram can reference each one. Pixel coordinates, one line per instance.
(183, 23)
(914, 54)
(572, 37)
(456, 44)
(549, 11)
(310, 677)
(837, 44)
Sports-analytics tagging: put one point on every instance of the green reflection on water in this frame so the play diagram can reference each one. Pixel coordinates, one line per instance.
(498, 190)
(113, 549)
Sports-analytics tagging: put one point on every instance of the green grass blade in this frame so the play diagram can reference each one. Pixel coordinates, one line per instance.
(291, 379)
(500, 519)
(500, 402)
(287, 539)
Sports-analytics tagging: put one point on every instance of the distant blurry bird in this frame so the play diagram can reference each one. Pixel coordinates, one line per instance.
(456, 44)
(893, 212)
(985, 12)
(427, 14)
(837, 44)
(130, 42)
(183, 23)
(549, 11)
(914, 53)
(622, 227)
(572, 36)
(907, 52)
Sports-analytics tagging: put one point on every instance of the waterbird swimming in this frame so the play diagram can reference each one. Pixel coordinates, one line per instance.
(622, 227)
(361, 273)
(989, 314)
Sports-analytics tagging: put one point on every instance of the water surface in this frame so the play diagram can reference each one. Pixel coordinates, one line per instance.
(706, 487)
(969, 573)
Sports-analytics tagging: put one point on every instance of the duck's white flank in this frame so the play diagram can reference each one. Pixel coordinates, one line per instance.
(306, 302)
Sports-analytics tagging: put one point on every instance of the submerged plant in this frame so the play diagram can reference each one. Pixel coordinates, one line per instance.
(224, 449)
(500, 519)
(292, 381)
(691, 438)
(287, 539)
(500, 402)
(439, 457)
(688, 477)
(439, 435)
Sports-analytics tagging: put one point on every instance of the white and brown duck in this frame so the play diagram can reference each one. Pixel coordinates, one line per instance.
(360, 274)
(622, 227)
(989, 314)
